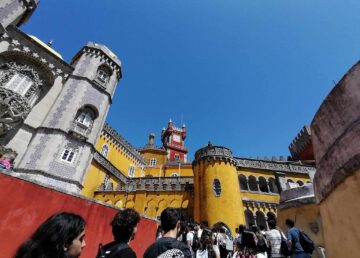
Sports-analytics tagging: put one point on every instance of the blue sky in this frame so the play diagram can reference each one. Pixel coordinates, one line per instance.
(245, 74)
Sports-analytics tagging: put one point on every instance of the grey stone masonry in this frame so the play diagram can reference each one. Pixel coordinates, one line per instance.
(16, 12)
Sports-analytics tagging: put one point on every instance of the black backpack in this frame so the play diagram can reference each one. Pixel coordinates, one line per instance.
(262, 245)
(306, 243)
(196, 242)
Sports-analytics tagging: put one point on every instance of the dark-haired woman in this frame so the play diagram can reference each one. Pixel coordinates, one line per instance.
(207, 248)
(60, 236)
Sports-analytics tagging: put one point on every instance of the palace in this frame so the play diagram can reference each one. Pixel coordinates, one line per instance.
(52, 121)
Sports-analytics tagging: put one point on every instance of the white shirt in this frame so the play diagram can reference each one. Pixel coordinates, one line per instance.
(190, 237)
(274, 237)
(199, 232)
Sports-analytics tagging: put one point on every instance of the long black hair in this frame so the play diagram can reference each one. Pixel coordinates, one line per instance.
(207, 242)
(49, 240)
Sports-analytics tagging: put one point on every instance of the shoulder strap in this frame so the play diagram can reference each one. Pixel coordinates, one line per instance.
(115, 249)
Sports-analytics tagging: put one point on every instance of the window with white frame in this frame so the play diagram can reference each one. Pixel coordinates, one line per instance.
(153, 162)
(85, 118)
(131, 171)
(177, 157)
(68, 155)
(19, 83)
(103, 75)
(104, 150)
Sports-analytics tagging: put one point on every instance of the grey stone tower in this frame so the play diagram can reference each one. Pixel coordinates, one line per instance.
(51, 112)
(62, 148)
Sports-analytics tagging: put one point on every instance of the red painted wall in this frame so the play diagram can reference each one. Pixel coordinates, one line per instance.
(24, 206)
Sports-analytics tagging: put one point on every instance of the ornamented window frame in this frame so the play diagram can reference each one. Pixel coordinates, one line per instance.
(10, 69)
(131, 170)
(105, 152)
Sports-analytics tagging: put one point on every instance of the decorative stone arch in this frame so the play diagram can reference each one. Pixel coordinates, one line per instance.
(175, 203)
(162, 206)
(263, 184)
(243, 182)
(253, 185)
(261, 219)
(24, 80)
(151, 209)
(249, 218)
(130, 204)
(119, 204)
(290, 181)
(273, 186)
(223, 227)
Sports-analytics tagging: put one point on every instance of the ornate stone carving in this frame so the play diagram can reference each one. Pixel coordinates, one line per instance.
(13, 110)
(273, 166)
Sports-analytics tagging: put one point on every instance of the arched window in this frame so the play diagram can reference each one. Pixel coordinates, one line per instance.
(253, 184)
(290, 181)
(263, 185)
(153, 162)
(131, 171)
(300, 183)
(104, 150)
(84, 121)
(103, 75)
(272, 185)
(243, 183)
(260, 219)
(176, 157)
(249, 218)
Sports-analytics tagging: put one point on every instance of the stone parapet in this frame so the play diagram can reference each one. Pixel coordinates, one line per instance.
(211, 152)
(336, 134)
(297, 196)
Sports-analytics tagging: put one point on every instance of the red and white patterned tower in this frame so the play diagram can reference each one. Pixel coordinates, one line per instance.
(173, 141)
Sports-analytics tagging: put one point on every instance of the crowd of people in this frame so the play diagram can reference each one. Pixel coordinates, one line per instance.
(63, 236)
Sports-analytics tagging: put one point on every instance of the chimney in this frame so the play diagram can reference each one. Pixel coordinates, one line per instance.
(151, 139)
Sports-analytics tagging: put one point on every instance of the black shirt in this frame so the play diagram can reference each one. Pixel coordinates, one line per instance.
(119, 250)
(166, 243)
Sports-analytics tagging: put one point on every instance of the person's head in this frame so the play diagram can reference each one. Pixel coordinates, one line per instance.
(241, 228)
(124, 225)
(170, 219)
(237, 230)
(61, 235)
(204, 224)
(290, 223)
(190, 227)
(262, 227)
(272, 224)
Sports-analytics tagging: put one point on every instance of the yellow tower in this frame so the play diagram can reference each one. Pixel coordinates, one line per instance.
(216, 198)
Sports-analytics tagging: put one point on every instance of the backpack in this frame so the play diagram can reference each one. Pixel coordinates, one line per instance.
(196, 242)
(110, 253)
(262, 245)
(284, 248)
(306, 243)
(172, 253)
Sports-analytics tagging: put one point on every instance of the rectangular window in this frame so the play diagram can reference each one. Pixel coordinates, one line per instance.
(19, 83)
(68, 155)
